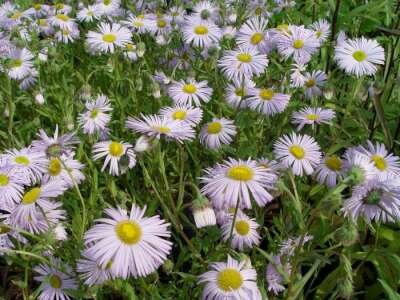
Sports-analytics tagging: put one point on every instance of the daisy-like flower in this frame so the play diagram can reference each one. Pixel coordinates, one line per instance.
(200, 33)
(56, 145)
(67, 35)
(44, 27)
(162, 26)
(301, 153)
(55, 283)
(386, 164)
(186, 113)
(289, 246)
(217, 133)
(62, 21)
(178, 14)
(96, 117)
(89, 14)
(237, 180)
(313, 82)
(108, 37)
(203, 212)
(359, 56)
(156, 126)
(109, 7)
(140, 23)
(63, 168)
(62, 8)
(271, 165)
(36, 199)
(244, 234)
(130, 52)
(136, 245)
(11, 187)
(375, 200)
(190, 92)
(275, 280)
(237, 92)
(91, 272)
(329, 170)
(267, 101)
(20, 64)
(206, 10)
(321, 29)
(230, 280)
(119, 155)
(253, 33)
(312, 116)
(242, 63)
(301, 43)
(27, 163)
(359, 166)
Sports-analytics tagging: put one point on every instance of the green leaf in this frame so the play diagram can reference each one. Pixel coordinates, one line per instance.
(392, 294)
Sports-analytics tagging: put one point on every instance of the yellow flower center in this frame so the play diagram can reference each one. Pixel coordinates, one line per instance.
(107, 2)
(130, 47)
(312, 117)
(297, 151)
(116, 149)
(90, 13)
(138, 24)
(94, 113)
(129, 232)
(283, 27)
(379, 162)
(16, 15)
(310, 83)
(31, 196)
(298, 44)
(240, 92)
(334, 163)
(109, 38)
(16, 63)
(4, 229)
(242, 227)
(42, 22)
(189, 88)
(22, 160)
(55, 281)
(359, 55)
(179, 115)
(242, 173)
(318, 33)
(4, 180)
(65, 32)
(256, 38)
(200, 29)
(59, 6)
(162, 129)
(55, 166)
(258, 11)
(161, 23)
(214, 127)
(62, 17)
(266, 94)
(229, 279)
(37, 6)
(244, 57)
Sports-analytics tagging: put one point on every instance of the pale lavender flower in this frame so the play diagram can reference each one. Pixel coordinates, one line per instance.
(230, 280)
(301, 153)
(218, 132)
(301, 43)
(237, 180)
(267, 101)
(312, 116)
(136, 245)
(96, 117)
(376, 200)
(244, 234)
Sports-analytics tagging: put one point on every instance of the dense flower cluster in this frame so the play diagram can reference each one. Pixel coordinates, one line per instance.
(34, 177)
